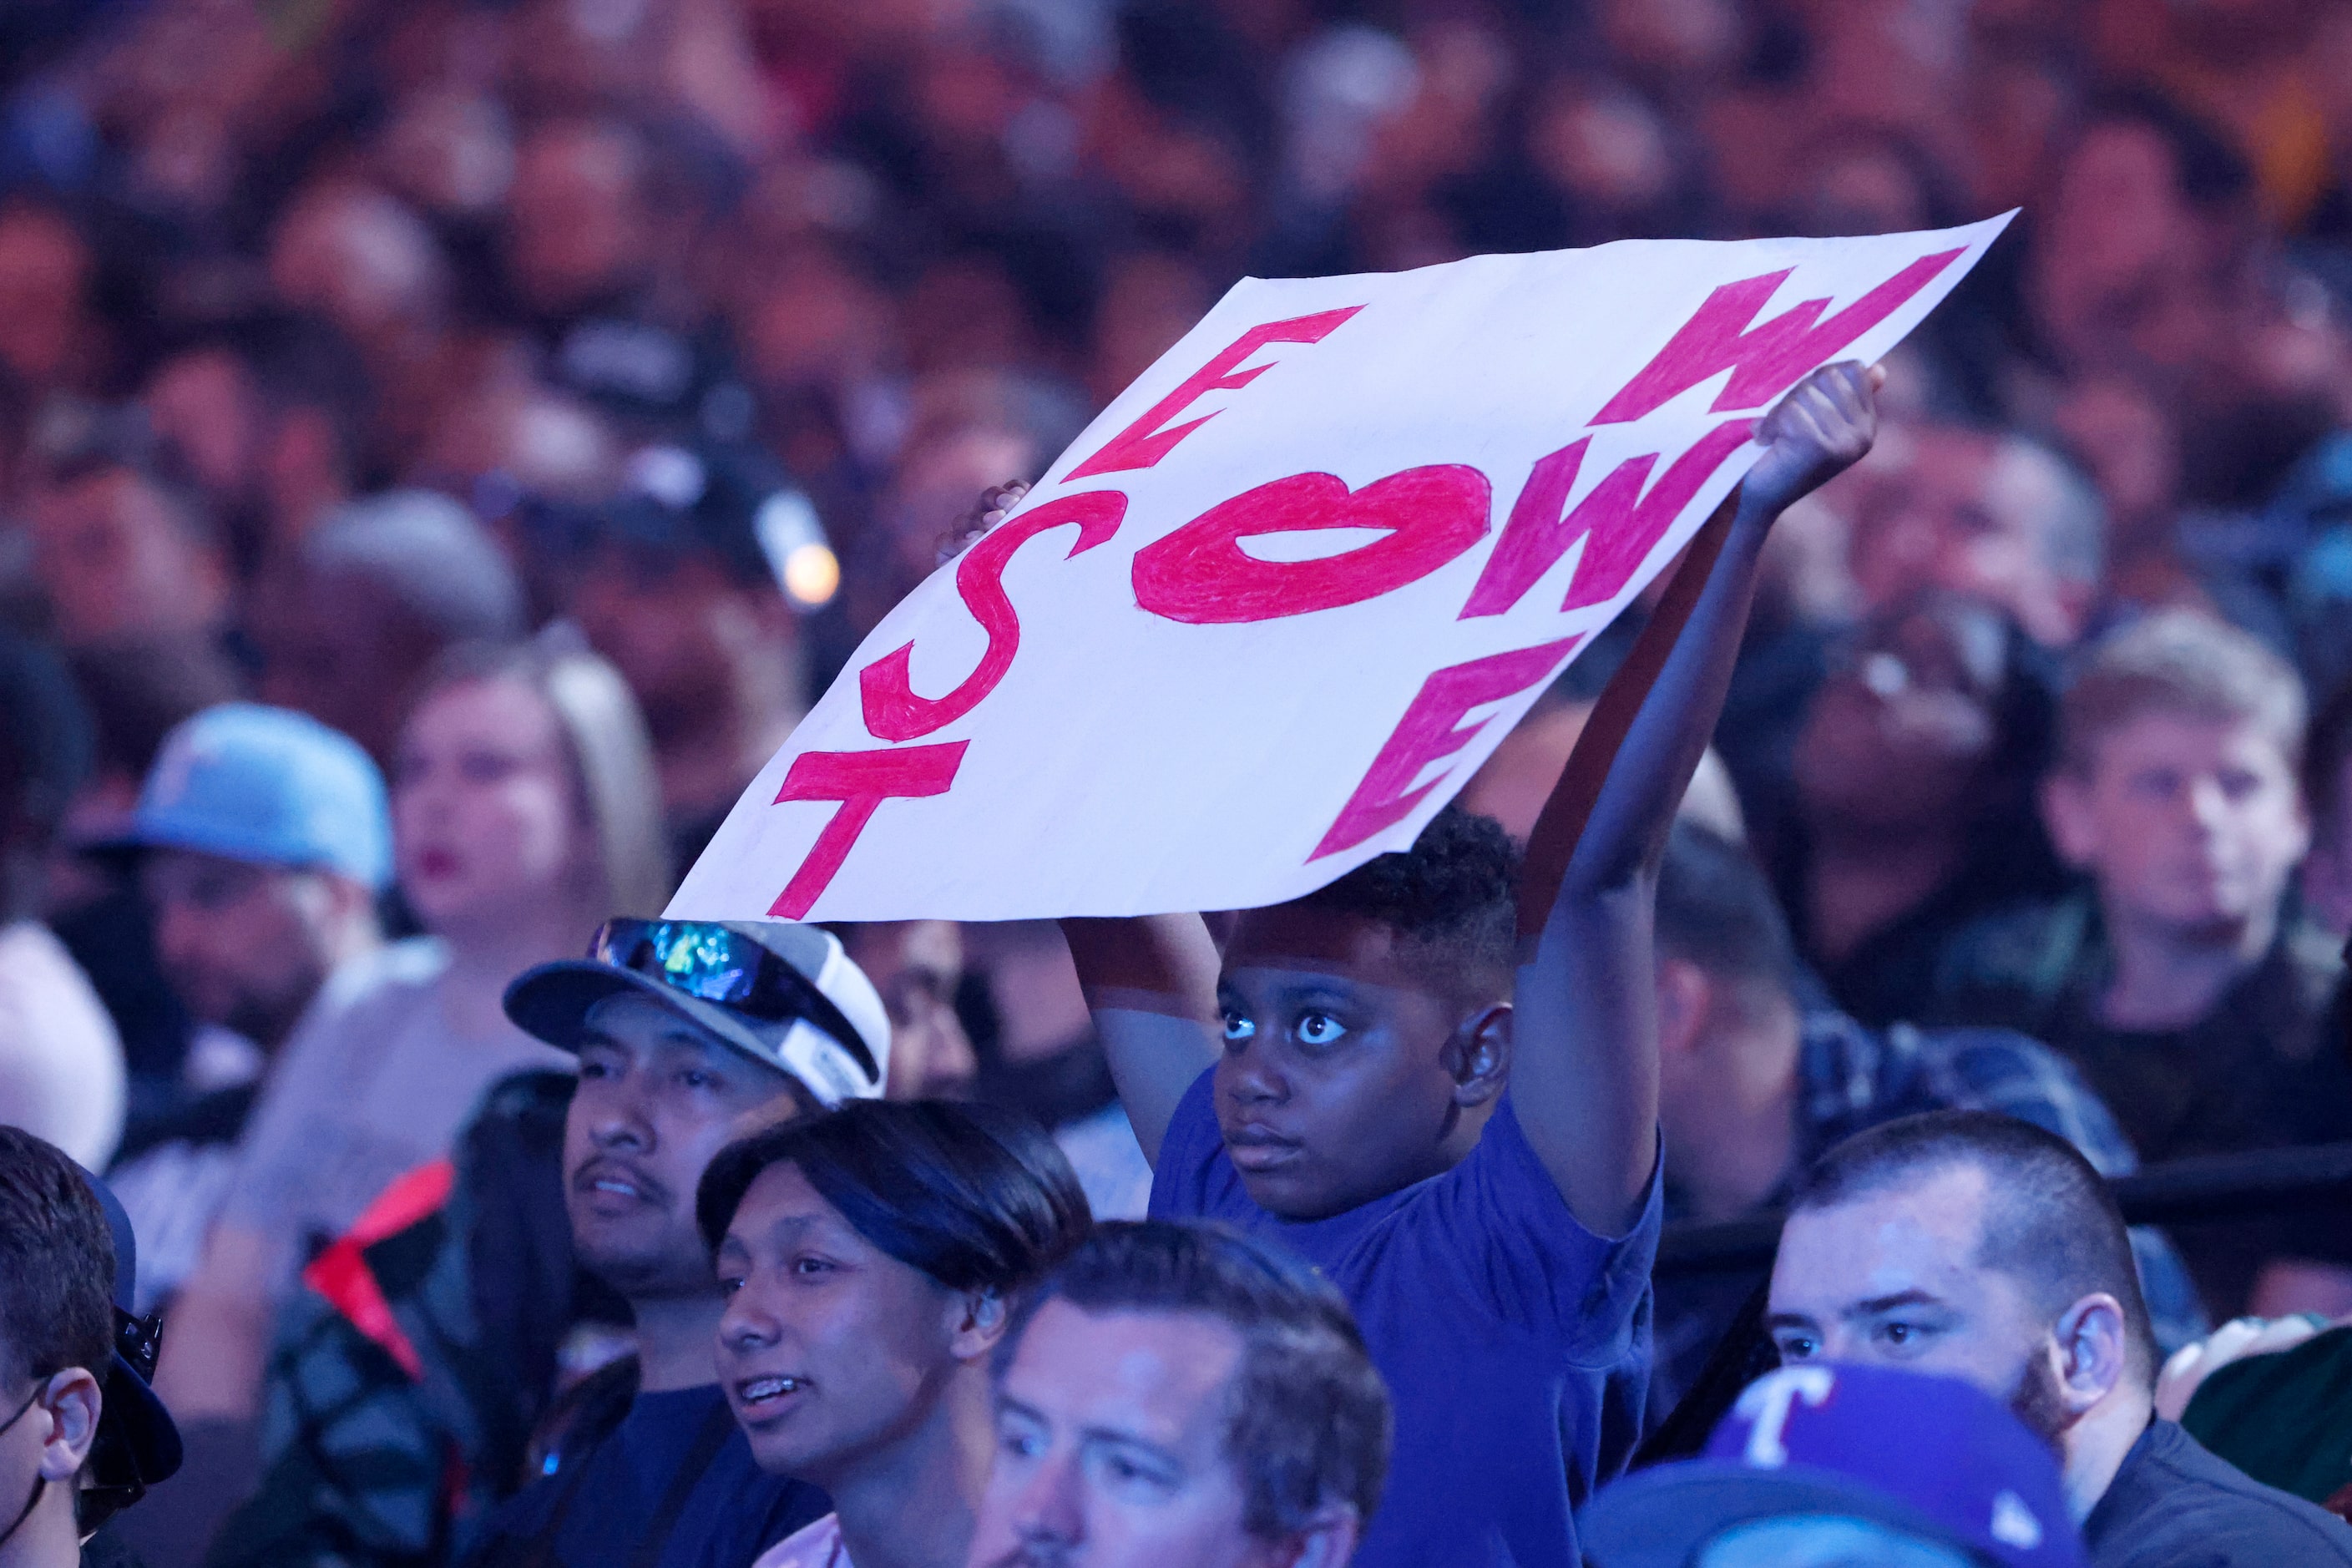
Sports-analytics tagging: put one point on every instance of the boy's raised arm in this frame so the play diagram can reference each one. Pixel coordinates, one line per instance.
(1584, 1070)
(1150, 982)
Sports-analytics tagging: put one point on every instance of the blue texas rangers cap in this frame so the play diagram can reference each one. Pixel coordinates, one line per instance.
(267, 784)
(1863, 1449)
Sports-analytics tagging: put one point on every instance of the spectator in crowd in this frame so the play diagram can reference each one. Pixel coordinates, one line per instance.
(137, 693)
(679, 594)
(350, 618)
(918, 966)
(61, 1069)
(1912, 811)
(1181, 1394)
(2178, 984)
(1754, 1086)
(1980, 513)
(1361, 1016)
(522, 808)
(123, 553)
(263, 839)
(270, 418)
(1980, 1246)
(684, 1031)
(871, 1259)
(1847, 1464)
(89, 1435)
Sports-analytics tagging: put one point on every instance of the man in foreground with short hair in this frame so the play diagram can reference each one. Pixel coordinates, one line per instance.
(1176, 1396)
(1983, 1247)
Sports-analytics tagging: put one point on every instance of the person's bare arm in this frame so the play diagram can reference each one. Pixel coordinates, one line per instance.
(218, 1339)
(1584, 1070)
(1150, 982)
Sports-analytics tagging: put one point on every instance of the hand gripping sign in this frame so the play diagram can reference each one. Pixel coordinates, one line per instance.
(1296, 583)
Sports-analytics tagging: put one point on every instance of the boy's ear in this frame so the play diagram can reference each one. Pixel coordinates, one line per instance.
(1478, 1057)
(2072, 820)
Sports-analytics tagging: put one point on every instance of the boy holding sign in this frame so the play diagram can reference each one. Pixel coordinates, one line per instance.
(1459, 1129)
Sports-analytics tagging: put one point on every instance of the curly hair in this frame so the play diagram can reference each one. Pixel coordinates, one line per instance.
(1453, 896)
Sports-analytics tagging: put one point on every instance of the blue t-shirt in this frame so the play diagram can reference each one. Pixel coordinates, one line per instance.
(603, 1512)
(1516, 1343)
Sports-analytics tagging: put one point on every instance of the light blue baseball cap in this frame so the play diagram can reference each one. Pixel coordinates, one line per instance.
(266, 785)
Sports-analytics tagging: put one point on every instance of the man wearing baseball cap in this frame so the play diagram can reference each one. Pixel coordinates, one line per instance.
(686, 1032)
(263, 840)
(1831, 1463)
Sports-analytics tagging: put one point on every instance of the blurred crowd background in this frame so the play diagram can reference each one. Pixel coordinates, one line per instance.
(336, 333)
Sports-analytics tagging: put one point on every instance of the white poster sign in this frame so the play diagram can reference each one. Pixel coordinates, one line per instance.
(1295, 585)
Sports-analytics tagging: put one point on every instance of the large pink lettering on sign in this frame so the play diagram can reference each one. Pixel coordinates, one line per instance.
(1432, 729)
(1764, 360)
(1623, 523)
(1200, 574)
(884, 692)
(1144, 443)
(861, 781)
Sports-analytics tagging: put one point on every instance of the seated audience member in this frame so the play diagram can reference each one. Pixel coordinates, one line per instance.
(1183, 1394)
(269, 415)
(88, 1436)
(1846, 1464)
(121, 552)
(1753, 1086)
(1980, 1246)
(61, 1070)
(1471, 1157)
(262, 838)
(2176, 982)
(2270, 1396)
(1981, 513)
(522, 813)
(678, 594)
(2327, 881)
(350, 618)
(916, 965)
(871, 1260)
(1912, 810)
(683, 1032)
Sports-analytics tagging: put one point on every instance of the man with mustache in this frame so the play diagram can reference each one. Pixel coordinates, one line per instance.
(1979, 1247)
(685, 1032)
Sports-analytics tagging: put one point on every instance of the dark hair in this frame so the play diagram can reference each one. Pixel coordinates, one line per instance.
(1307, 1419)
(56, 1263)
(977, 1197)
(2049, 1220)
(1455, 891)
(1716, 910)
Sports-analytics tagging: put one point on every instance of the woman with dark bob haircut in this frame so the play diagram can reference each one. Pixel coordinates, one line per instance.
(869, 1257)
